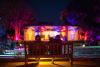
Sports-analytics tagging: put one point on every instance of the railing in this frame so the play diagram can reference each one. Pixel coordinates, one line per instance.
(86, 52)
(45, 50)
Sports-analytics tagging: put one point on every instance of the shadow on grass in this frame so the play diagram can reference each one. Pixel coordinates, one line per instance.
(60, 65)
(80, 65)
(29, 65)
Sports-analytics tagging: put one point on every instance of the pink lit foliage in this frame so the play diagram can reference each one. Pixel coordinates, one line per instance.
(21, 16)
(16, 12)
(17, 15)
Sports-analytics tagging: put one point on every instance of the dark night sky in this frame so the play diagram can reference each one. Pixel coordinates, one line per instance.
(48, 10)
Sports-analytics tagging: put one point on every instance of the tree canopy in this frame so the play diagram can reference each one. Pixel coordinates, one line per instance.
(84, 13)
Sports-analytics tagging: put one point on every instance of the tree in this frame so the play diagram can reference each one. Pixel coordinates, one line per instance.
(16, 14)
(83, 13)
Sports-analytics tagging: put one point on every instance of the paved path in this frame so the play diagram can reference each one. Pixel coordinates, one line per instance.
(49, 64)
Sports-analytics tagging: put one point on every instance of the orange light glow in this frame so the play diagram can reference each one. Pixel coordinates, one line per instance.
(29, 34)
(63, 34)
(72, 33)
(45, 32)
